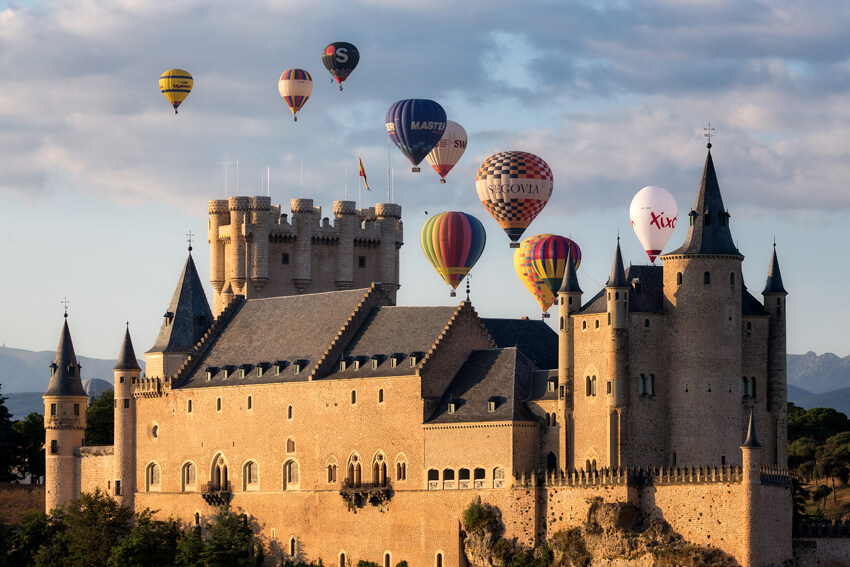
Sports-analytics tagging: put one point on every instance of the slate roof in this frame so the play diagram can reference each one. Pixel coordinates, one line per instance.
(290, 328)
(501, 374)
(774, 276)
(127, 356)
(708, 230)
(540, 385)
(61, 382)
(649, 300)
(570, 282)
(188, 315)
(750, 306)
(535, 339)
(618, 274)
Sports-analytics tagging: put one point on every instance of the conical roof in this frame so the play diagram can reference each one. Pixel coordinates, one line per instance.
(618, 273)
(708, 232)
(570, 281)
(751, 441)
(127, 356)
(188, 315)
(65, 378)
(774, 277)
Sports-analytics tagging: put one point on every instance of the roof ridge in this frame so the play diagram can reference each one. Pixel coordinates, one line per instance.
(464, 307)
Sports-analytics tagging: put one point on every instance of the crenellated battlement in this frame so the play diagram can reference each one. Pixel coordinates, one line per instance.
(641, 476)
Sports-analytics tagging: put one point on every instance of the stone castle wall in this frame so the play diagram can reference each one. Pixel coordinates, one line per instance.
(17, 499)
(94, 468)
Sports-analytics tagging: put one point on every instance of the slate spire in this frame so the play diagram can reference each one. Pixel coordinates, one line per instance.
(65, 370)
(751, 441)
(774, 276)
(708, 230)
(618, 273)
(188, 315)
(570, 282)
(127, 356)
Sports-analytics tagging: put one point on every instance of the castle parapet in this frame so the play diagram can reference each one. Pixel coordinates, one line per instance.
(639, 476)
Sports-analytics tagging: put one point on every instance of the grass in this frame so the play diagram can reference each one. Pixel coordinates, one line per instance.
(837, 507)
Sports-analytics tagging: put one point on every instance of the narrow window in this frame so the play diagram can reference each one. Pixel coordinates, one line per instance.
(570, 300)
(361, 261)
(723, 460)
(749, 326)
(608, 387)
(439, 560)
(707, 218)
(387, 560)
(284, 258)
(53, 409)
(641, 385)
(706, 278)
(491, 406)
(732, 278)
(587, 386)
(121, 380)
(593, 386)
(650, 385)
(381, 396)
(54, 447)
(584, 325)
(117, 488)
(646, 323)
(155, 431)
(127, 403)
(189, 406)
(289, 412)
(241, 372)
(250, 402)
(609, 319)
(290, 445)
(562, 324)
(342, 561)
(71, 371)
(550, 385)
(548, 420)
(554, 420)
(218, 404)
(597, 323)
(292, 547)
(353, 396)
(674, 458)
(679, 278)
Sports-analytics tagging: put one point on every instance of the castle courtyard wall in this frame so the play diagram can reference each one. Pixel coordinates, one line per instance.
(94, 469)
(17, 499)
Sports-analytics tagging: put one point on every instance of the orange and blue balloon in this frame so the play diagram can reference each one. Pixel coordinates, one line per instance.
(549, 259)
(453, 242)
(527, 275)
(295, 87)
(415, 126)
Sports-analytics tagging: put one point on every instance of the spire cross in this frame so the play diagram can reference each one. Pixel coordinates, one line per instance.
(189, 240)
(709, 132)
(65, 302)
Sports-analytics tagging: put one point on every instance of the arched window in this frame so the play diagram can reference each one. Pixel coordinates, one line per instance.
(554, 419)
(433, 479)
(478, 478)
(584, 325)
(292, 545)
(387, 559)
(197, 519)
(548, 420)
(401, 468)
(381, 396)
(679, 278)
(439, 560)
(354, 471)
(379, 470)
(597, 323)
(706, 278)
(189, 406)
(498, 477)
(290, 475)
(332, 470)
(587, 386)
(448, 479)
(463, 481)
(152, 474)
(251, 476)
(749, 326)
(646, 323)
(587, 468)
(290, 445)
(342, 561)
(188, 476)
(218, 473)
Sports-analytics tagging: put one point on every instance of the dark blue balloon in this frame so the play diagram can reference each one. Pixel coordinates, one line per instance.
(416, 125)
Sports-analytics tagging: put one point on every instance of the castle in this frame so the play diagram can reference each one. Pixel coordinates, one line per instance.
(351, 428)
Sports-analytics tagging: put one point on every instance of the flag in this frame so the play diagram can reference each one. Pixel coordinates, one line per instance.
(363, 174)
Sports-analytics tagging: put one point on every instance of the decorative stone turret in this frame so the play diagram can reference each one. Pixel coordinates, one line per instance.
(617, 396)
(569, 301)
(344, 213)
(127, 373)
(777, 374)
(64, 423)
(751, 454)
(304, 219)
(389, 216)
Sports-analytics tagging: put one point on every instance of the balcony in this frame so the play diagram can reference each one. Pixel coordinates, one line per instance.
(216, 494)
(357, 495)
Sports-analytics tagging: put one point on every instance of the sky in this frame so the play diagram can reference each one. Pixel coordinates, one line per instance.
(101, 182)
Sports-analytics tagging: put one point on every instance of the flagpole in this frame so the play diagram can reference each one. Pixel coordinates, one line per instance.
(359, 161)
(346, 182)
(388, 169)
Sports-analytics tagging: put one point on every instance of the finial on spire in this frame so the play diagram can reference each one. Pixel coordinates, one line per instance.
(65, 302)
(467, 288)
(709, 132)
(189, 240)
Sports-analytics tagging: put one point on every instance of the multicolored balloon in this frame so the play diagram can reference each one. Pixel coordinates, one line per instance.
(514, 187)
(453, 242)
(527, 275)
(654, 214)
(295, 86)
(340, 58)
(416, 125)
(448, 150)
(549, 259)
(175, 84)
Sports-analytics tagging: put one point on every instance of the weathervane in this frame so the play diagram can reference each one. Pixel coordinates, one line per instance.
(709, 132)
(65, 302)
(189, 240)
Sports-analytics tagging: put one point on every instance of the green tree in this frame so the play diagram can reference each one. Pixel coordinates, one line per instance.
(231, 542)
(10, 454)
(100, 420)
(151, 543)
(190, 549)
(816, 423)
(30, 433)
(801, 451)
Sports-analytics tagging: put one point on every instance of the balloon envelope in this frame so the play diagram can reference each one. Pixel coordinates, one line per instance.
(527, 275)
(453, 242)
(175, 84)
(514, 187)
(549, 259)
(654, 214)
(340, 59)
(295, 86)
(415, 126)
(448, 150)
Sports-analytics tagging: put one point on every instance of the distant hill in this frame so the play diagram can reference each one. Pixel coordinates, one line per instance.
(796, 394)
(819, 373)
(837, 399)
(21, 404)
(28, 371)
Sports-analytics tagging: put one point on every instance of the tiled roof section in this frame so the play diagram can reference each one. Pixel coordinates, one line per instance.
(570, 282)
(65, 380)
(188, 314)
(127, 356)
(535, 339)
(288, 329)
(618, 274)
(596, 304)
(501, 375)
(750, 306)
(540, 385)
(708, 232)
(774, 276)
(390, 330)
(649, 300)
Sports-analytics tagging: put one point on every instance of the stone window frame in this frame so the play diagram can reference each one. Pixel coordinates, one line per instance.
(153, 477)
(291, 476)
(401, 468)
(251, 476)
(499, 477)
(379, 469)
(290, 445)
(187, 468)
(332, 469)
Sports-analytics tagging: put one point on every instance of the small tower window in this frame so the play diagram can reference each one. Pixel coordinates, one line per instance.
(593, 386)
(120, 379)
(71, 371)
(646, 323)
(679, 278)
(452, 406)
(562, 326)
(609, 319)
(218, 404)
(250, 402)
(353, 396)
(289, 412)
(189, 406)
(54, 447)
(361, 261)
(584, 325)
(53, 410)
(381, 396)
(597, 323)
(706, 278)
(76, 410)
(608, 387)
(284, 258)
(570, 300)
(732, 278)
(707, 218)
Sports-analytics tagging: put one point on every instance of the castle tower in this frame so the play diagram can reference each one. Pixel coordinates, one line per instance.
(304, 220)
(344, 215)
(617, 387)
(389, 216)
(777, 376)
(126, 372)
(187, 318)
(64, 423)
(702, 301)
(569, 301)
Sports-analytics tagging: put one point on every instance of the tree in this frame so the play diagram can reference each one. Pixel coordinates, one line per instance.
(10, 454)
(232, 542)
(31, 534)
(190, 548)
(30, 432)
(816, 423)
(100, 420)
(150, 543)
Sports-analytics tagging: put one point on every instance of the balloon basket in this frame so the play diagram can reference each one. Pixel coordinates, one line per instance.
(453, 294)
(546, 315)
(514, 245)
(442, 180)
(415, 169)
(295, 119)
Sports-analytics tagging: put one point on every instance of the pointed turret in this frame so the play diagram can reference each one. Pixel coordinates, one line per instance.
(569, 301)
(708, 232)
(65, 370)
(751, 442)
(618, 273)
(127, 374)
(774, 277)
(127, 356)
(570, 282)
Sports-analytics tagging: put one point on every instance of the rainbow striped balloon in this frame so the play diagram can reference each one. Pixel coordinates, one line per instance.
(453, 242)
(295, 86)
(549, 259)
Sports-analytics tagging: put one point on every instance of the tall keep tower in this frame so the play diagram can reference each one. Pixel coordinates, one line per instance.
(777, 374)
(64, 423)
(127, 373)
(702, 300)
(618, 386)
(569, 301)
(257, 252)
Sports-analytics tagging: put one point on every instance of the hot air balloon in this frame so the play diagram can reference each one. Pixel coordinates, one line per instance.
(448, 150)
(340, 58)
(549, 259)
(175, 84)
(295, 86)
(527, 275)
(514, 187)
(453, 242)
(416, 125)
(654, 213)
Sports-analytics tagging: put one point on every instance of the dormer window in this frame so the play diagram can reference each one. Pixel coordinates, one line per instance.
(492, 403)
(71, 370)
(452, 406)
(211, 370)
(53, 368)
(169, 317)
(343, 364)
(226, 372)
(299, 366)
(551, 385)
(357, 363)
(261, 368)
(242, 372)
(394, 360)
(279, 366)
(376, 360)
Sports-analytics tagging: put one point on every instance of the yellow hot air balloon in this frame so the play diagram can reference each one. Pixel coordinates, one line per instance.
(175, 84)
(525, 270)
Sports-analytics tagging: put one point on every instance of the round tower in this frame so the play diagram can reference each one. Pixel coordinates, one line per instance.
(64, 422)
(617, 388)
(126, 373)
(304, 219)
(569, 301)
(260, 209)
(389, 216)
(777, 374)
(238, 245)
(345, 220)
